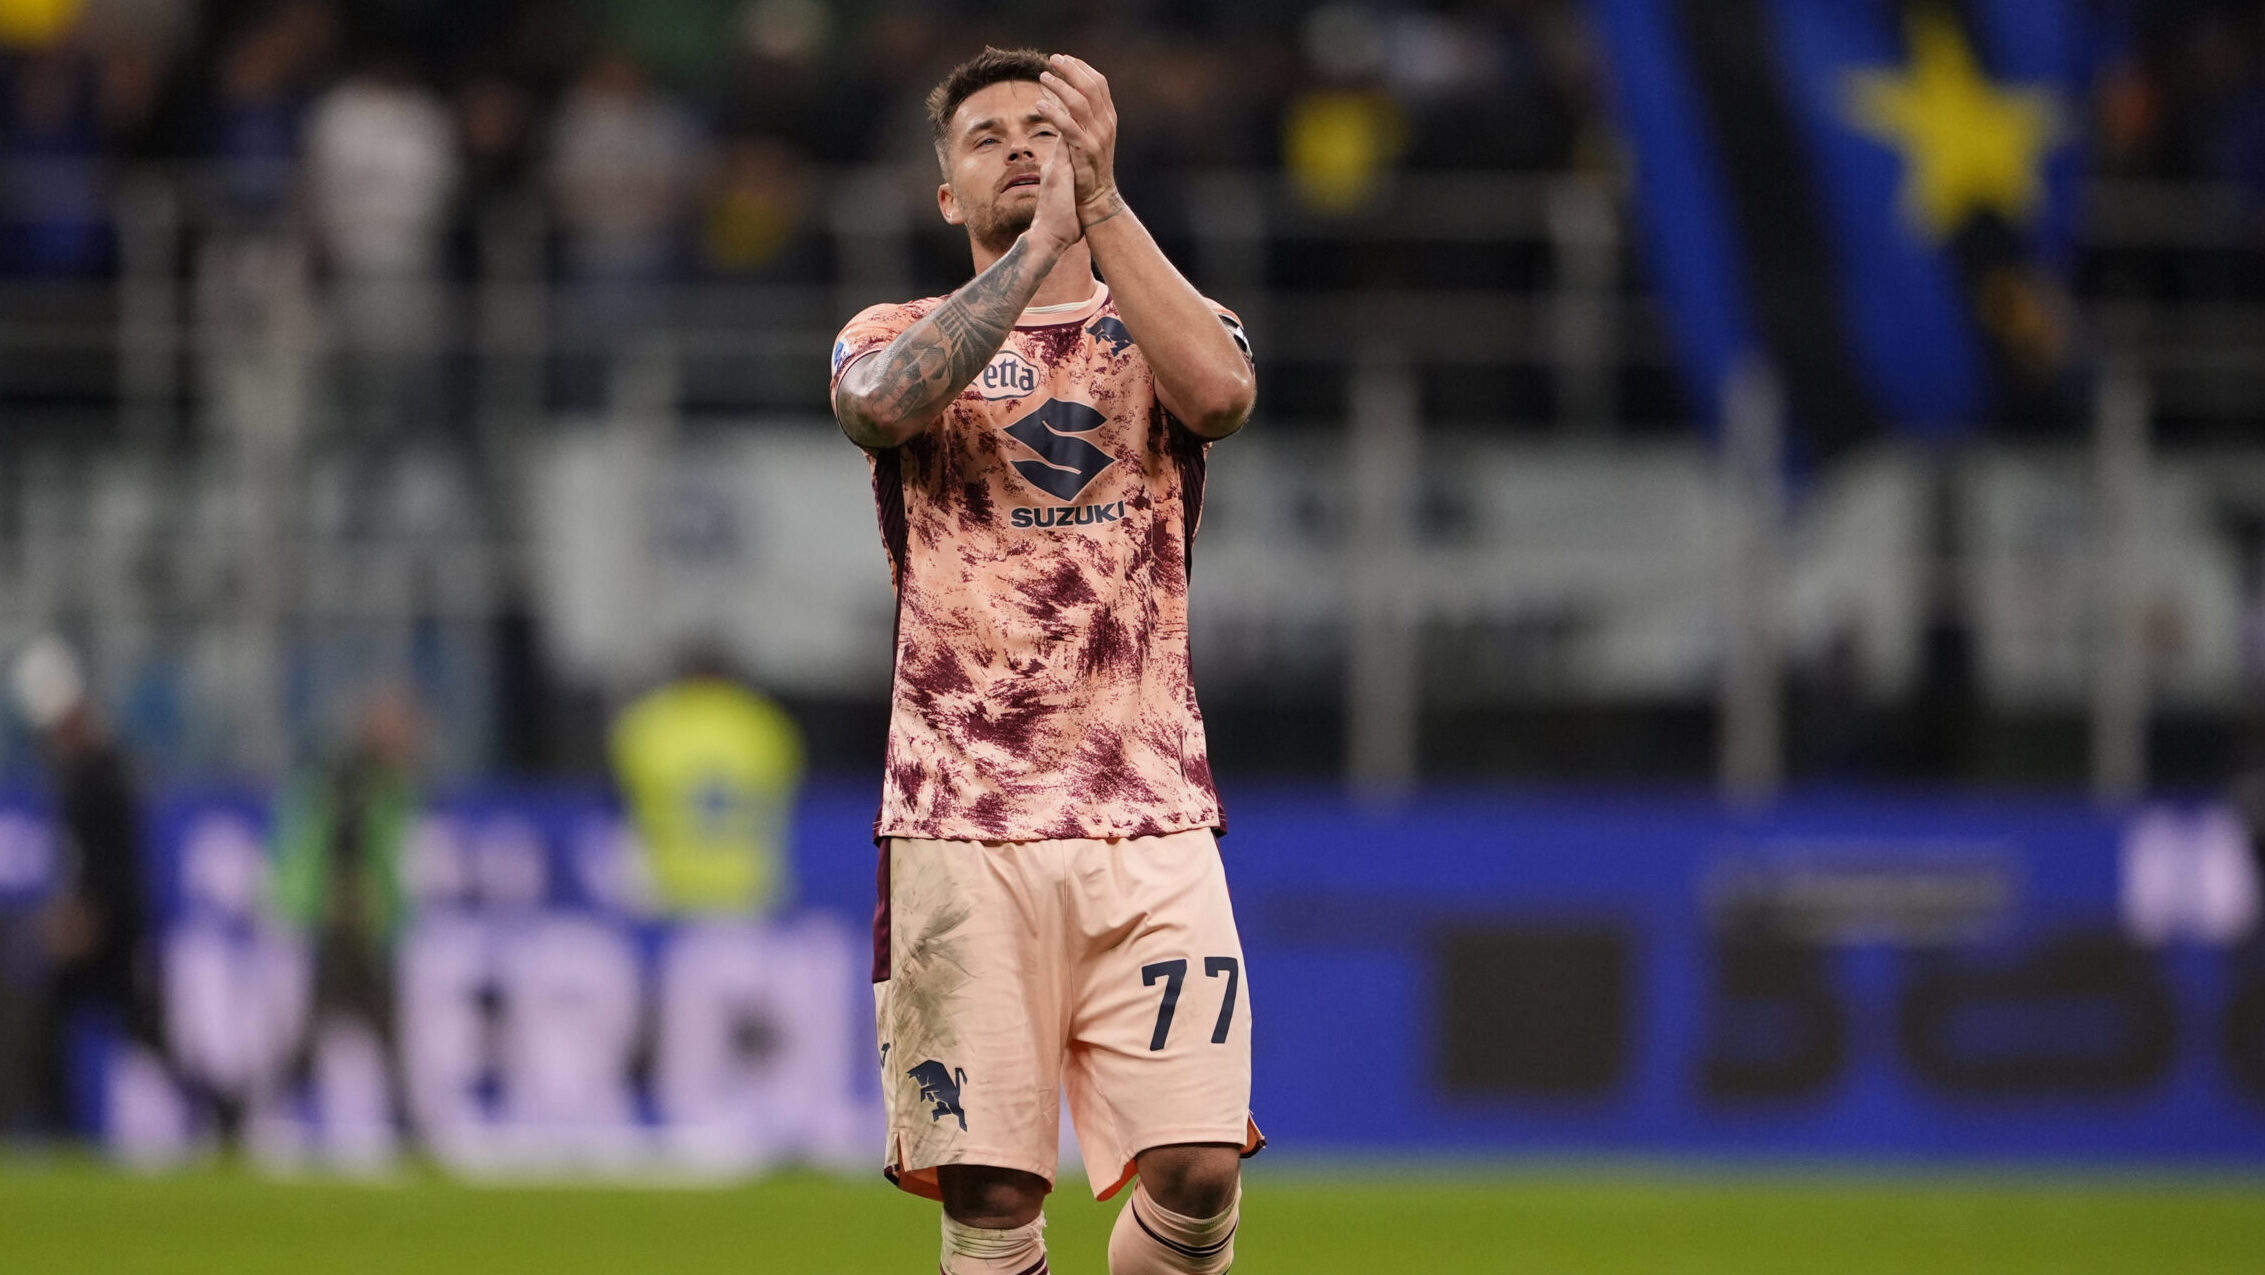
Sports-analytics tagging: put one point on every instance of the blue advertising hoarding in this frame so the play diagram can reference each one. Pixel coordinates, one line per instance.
(1466, 973)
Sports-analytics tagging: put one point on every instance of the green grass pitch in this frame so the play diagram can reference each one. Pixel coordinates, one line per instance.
(1297, 1220)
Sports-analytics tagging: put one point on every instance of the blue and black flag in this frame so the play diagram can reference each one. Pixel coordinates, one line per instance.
(1874, 195)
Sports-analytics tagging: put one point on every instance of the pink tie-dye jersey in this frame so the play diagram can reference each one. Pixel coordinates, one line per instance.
(1038, 534)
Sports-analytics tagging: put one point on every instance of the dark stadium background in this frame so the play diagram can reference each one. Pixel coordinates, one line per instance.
(1741, 740)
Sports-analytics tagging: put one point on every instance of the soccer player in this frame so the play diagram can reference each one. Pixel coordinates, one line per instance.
(1053, 911)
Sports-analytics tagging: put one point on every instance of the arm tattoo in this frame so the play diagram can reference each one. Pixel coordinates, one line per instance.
(922, 371)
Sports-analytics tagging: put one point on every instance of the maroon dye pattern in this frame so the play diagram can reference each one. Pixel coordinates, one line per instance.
(1042, 686)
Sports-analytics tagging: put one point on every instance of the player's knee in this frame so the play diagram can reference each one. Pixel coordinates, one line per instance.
(996, 1199)
(1194, 1181)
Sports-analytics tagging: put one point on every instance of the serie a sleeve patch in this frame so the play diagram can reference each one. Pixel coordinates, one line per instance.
(1242, 338)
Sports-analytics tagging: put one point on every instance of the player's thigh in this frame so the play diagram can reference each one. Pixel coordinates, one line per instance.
(1162, 1022)
(971, 1016)
(1175, 986)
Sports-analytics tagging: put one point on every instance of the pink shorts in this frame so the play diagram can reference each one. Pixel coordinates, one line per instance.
(1018, 971)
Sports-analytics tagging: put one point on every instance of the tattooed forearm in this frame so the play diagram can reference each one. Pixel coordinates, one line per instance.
(891, 396)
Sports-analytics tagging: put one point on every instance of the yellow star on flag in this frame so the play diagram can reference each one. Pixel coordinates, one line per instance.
(1969, 144)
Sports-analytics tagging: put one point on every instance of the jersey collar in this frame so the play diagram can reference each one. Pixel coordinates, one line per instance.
(1070, 312)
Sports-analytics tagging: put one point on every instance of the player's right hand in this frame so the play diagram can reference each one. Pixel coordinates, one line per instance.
(1054, 222)
(1077, 101)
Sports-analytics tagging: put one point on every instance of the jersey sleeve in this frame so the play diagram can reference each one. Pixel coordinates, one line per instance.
(872, 329)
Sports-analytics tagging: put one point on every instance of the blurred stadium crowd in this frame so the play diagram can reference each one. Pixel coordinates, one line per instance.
(676, 138)
(390, 243)
(334, 183)
(2186, 100)
(670, 139)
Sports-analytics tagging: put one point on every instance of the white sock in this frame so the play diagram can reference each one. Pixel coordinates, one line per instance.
(1150, 1239)
(975, 1250)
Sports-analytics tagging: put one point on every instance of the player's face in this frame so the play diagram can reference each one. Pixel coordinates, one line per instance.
(993, 151)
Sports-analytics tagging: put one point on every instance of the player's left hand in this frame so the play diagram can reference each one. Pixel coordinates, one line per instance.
(1076, 101)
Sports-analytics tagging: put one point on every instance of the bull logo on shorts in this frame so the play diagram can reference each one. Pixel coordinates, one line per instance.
(940, 1085)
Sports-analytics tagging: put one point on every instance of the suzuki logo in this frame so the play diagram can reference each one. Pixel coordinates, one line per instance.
(1070, 462)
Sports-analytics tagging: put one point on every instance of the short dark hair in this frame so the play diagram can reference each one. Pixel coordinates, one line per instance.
(991, 66)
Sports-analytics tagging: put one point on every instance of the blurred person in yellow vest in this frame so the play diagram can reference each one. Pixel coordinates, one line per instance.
(709, 769)
(341, 830)
(1343, 132)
